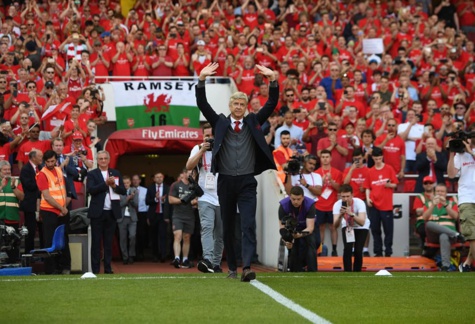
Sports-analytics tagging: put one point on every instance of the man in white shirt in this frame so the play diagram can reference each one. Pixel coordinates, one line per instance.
(410, 132)
(296, 132)
(465, 164)
(208, 204)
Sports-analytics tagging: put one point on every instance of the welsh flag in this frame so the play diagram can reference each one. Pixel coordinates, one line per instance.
(155, 103)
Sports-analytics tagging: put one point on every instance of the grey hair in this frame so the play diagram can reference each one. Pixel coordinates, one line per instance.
(4, 163)
(238, 95)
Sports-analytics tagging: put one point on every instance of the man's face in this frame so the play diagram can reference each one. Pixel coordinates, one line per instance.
(58, 147)
(237, 108)
(296, 200)
(6, 171)
(346, 197)
(34, 133)
(127, 183)
(103, 160)
(325, 159)
(289, 96)
(158, 178)
(441, 191)
(378, 159)
(50, 163)
(392, 126)
(285, 140)
(305, 94)
(288, 119)
(367, 139)
(309, 165)
(208, 133)
(135, 181)
(428, 186)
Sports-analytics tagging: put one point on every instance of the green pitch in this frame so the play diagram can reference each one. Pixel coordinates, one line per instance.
(335, 297)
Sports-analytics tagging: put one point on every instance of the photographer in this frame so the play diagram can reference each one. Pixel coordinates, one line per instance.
(350, 212)
(296, 220)
(310, 181)
(81, 156)
(184, 198)
(464, 162)
(208, 204)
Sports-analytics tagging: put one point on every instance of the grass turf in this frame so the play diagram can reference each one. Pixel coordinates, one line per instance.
(337, 297)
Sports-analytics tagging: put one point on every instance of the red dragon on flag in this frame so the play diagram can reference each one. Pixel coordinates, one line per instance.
(159, 104)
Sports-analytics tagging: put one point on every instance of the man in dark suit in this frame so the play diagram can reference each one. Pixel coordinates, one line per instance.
(240, 152)
(32, 194)
(105, 186)
(158, 216)
(66, 163)
(430, 162)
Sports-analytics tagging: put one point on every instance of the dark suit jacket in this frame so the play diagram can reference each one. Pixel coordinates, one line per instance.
(70, 173)
(221, 123)
(98, 189)
(152, 204)
(32, 193)
(423, 167)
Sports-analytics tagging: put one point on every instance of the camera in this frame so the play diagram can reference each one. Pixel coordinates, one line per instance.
(293, 166)
(456, 144)
(290, 227)
(211, 142)
(83, 152)
(195, 191)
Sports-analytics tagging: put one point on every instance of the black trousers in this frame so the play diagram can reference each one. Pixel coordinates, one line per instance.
(62, 261)
(31, 224)
(158, 236)
(360, 238)
(102, 228)
(238, 191)
(303, 253)
(141, 241)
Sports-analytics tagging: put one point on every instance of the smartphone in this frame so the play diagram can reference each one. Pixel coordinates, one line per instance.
(344, 204)
(443, 60)
(304, 232)
(321, 106)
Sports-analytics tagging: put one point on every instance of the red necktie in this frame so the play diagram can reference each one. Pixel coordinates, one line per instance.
(236, 127)
(37, 170)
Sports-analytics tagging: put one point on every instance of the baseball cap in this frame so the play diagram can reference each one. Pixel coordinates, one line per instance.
(49, 84)
(77, 135)
(105, 34)
(201, 42)
(428, 179)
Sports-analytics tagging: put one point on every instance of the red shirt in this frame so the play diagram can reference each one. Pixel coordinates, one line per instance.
(338, 160)
(5, 152)
(392, 150)
(26, 148)
(357, 180)
(381, 196)
(329, 195)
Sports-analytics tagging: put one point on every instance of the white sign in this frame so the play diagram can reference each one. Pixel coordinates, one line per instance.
(373, 46)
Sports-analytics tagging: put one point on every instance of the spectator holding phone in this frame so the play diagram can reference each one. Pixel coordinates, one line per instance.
(350, 212)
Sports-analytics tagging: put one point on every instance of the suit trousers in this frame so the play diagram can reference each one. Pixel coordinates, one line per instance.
(238, 191)
(127, 234)
(62, 261)
(103, 228)
(31, 224)
(142, 234)
(158, 236)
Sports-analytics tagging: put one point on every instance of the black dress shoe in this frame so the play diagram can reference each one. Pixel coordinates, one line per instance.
(109, 272)
(131, 260)
(248, 275)
(125, 261)
(155, 259)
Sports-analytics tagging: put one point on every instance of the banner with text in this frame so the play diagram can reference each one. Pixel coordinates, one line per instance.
(155, 103)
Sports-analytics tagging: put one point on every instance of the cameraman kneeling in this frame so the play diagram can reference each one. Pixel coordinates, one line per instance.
(297, 220)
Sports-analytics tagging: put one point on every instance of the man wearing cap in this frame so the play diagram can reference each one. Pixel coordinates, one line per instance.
(441, 217)
(81, 155)
(380, 185)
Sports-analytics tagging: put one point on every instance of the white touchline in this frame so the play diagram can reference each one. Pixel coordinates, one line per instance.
(281, 299)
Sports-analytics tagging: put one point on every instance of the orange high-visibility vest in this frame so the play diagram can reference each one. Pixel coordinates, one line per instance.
(57, 188)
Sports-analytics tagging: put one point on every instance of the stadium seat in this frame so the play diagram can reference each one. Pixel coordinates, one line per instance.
(56, 247)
